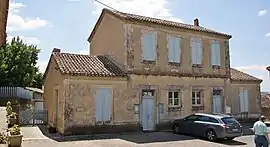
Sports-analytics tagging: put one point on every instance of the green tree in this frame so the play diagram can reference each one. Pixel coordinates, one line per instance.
(38, 81)
(18, 63)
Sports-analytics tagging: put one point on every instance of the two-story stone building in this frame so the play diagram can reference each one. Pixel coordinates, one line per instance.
(4, 4)
(143, 73)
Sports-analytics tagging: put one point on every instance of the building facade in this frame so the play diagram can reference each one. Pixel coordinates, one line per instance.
(141, 74)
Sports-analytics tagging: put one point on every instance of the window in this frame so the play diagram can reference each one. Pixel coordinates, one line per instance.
(149, 43)
(229, 120)
(207, 119)
(174, 49)
(243, 94)
(196, 51)
(174, 98)
(191, 118)
(197, 97)
(215, 53)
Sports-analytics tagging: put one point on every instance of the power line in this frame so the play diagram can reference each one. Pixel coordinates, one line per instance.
(148, 24)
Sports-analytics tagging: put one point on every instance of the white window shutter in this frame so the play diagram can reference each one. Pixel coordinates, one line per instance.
(245, 93)
(177, 51)
(193, 51)
(217, 54)
(149, 44)
(170, 49)
(242, 101)
(199, 52)
(213, 54)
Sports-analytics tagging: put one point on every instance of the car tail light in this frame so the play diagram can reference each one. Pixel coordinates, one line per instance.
(225, 126)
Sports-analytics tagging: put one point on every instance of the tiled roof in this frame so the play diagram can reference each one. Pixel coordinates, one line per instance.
(241, 76)
(85, 65)
(265, 101)
(139, 18)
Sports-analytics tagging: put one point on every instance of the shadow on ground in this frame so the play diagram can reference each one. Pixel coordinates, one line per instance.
(139, 137)
(135, 137)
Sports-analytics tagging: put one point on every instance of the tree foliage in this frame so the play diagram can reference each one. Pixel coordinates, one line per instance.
(18, 64)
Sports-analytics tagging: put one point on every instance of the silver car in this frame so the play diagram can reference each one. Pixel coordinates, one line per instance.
(211, 126)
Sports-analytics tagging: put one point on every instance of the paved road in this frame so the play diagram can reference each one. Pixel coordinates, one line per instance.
(156, 139)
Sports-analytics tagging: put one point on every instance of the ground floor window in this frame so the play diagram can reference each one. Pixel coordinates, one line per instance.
(174, 98)
(197, 97)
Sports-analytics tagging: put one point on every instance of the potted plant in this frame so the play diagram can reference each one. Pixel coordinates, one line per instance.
(3, 138)
(15, 136)
(8, 108)
(12, 119)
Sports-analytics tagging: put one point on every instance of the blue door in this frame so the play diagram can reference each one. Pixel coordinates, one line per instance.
(147, 118)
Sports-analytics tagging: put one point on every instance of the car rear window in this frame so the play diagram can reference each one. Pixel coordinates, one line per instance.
(229, 120)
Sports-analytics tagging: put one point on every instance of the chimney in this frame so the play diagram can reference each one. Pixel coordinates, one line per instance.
(56, 50)
(196, 22)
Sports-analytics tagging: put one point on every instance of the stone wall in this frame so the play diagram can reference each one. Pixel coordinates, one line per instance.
(79, 103)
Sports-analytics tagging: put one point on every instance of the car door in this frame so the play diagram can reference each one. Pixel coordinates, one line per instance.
(188, 125)
(201, 125)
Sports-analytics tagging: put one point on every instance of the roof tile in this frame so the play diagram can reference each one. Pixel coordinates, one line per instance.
(85, 65)
(241, 76)
(139, 18)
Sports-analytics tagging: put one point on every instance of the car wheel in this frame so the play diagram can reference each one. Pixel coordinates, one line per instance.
(230, 138)
(211, 135)
(176, 129)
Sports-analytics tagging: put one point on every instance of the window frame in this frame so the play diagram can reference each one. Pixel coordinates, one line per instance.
(154, 51)
(196, 98)
(196, 45)
(172, 42)
(173, 98)
(215, 53)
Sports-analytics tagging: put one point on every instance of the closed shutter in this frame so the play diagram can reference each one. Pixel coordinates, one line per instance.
(106, 96)
(177, 50)
(242, 100)
(149, 46)
(98, 100)
(200, 52)
(170, 49)
(218, 54)
(193, 51)
(245, 93)
(213, 54)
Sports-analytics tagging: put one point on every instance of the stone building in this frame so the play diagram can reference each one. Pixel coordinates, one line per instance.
(4, 4)
(141, 74)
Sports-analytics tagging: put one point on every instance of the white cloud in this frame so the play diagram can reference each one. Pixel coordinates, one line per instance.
(262, 12)
(267, 34)
(27, 40)
(252, 67)
(84, 52)
(18, 22)
(42, 65)
(150, 8)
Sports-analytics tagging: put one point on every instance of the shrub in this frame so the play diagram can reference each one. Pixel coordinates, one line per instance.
(3, 138)
(15, 130)
(12, 115)
(9, 108)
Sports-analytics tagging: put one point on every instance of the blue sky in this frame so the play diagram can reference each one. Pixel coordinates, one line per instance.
(66, 24)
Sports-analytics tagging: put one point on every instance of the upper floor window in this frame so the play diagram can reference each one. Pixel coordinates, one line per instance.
(196, 50)
(174, 49)
(215, 53)
(149, 44)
